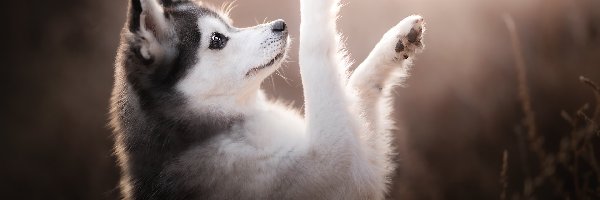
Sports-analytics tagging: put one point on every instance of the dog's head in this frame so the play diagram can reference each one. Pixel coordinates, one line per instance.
(190, 49)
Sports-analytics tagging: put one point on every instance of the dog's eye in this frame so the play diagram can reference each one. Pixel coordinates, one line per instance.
(218, 41)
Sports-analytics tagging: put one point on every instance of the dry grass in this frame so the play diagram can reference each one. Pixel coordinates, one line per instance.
(504, 175)
(573, 171)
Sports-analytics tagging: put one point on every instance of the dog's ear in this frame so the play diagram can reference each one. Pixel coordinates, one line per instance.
(148, 15)
(168, 3)
(151, 26)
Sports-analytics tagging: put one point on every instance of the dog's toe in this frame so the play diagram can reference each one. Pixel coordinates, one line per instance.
(399, 47)
(409, 36)
(413, 36)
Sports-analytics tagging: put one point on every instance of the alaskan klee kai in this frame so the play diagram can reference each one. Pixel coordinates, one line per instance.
(191, 121)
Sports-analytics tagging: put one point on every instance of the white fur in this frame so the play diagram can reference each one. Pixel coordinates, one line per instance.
(153, 14)
(340, 149)
(218, 78)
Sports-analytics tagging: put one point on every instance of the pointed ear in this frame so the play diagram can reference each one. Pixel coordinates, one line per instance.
(148, 16)
(149, 23)
(168, 3)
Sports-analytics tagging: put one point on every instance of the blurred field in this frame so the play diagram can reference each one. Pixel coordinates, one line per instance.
(457, 113)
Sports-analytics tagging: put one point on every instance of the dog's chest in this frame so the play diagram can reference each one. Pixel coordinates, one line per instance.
(270, 132)
(252, 152)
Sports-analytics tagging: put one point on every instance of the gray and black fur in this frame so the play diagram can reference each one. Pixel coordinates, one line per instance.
(152, 126)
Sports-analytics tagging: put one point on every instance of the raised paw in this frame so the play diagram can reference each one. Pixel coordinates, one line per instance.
(406, 37)
(400, 43)
(409, 36)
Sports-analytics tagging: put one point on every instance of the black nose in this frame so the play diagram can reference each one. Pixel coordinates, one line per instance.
(279, 26)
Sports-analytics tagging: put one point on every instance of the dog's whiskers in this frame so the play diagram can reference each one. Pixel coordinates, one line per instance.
(228, 6)
(278, 73)
(273, 83)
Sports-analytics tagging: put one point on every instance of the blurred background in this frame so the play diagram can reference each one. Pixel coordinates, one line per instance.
(463, 132)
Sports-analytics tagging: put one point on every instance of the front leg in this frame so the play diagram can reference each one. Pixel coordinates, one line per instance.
(336, 132)
(332, 124)
(386, 64)
(327, 108)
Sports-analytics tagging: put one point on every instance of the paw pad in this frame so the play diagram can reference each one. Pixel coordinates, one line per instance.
(399, 47)
(410, 36)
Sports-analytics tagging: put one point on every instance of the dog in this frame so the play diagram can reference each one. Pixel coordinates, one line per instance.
(191, 122)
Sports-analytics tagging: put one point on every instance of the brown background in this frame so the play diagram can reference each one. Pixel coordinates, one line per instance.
(457, 112)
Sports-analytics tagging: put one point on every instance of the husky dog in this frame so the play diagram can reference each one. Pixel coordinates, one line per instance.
(191, 121)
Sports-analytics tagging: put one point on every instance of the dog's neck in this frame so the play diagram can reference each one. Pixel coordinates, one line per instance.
(242, 103)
